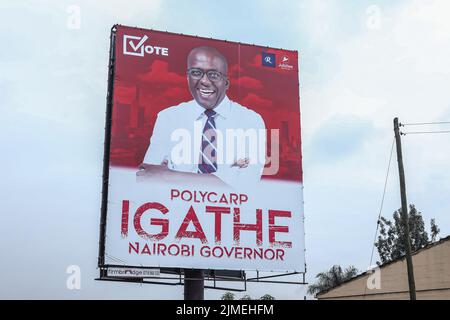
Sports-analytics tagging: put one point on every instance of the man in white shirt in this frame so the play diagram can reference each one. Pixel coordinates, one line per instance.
(210, 135)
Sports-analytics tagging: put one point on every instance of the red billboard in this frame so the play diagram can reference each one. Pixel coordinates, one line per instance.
(204, 154)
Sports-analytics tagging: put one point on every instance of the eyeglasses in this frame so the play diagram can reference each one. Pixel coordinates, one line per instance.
(212, 75)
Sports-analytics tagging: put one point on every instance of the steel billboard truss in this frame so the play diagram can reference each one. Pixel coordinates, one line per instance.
(213, 276)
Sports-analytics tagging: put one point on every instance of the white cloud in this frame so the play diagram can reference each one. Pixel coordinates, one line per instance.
(401, 70)
(128, 10)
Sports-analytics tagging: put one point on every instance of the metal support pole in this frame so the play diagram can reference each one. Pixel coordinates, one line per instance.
(106, 152)
(194, 284)
(404, 212)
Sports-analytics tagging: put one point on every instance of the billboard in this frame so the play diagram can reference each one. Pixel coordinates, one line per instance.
(202, 155)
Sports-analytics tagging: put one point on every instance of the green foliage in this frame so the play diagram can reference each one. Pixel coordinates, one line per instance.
(231, 296)
(267, 297)
(227, 296)
(331, 278)
(434, 230)
(391, 243)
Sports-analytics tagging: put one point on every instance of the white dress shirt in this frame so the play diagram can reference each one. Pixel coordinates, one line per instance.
(177, 137)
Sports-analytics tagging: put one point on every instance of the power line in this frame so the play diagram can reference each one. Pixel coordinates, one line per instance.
(381, 206)
(387, 175)
(424, 123)
(424, 132)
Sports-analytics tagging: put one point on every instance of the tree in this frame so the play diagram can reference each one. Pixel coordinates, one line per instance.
(227, 296)
(332, 278)
(230, 296)
(391, 244)
(267, 297)
(434, 230)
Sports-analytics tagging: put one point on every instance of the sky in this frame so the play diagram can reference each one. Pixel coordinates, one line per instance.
(361, 64)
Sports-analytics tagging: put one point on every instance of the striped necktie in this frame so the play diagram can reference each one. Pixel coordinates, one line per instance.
(208, 153)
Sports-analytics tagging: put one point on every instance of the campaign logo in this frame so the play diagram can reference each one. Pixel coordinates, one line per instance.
(268, 59)
(135, 46)
(284, 64)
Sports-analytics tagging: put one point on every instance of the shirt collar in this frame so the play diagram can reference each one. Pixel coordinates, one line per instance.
(223, 109)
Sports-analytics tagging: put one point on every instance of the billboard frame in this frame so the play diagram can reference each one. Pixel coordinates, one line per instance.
(210, 274)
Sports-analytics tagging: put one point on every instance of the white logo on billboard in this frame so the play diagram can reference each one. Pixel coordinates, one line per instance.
(135, 46)
(285, 65)
(268, 60)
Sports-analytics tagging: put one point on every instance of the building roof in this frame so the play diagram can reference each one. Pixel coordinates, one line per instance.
(428, 246)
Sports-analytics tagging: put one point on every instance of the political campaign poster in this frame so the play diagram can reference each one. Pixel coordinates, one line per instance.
(203, 162)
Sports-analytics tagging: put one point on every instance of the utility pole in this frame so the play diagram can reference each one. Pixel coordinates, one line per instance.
(404, 212)
(194, 284)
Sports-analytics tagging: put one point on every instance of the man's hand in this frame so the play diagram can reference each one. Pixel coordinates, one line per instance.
(151, 170)
(163, 173)
(149, 167)
(241, 163)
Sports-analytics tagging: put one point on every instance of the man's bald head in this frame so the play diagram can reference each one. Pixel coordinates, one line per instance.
(209, 51)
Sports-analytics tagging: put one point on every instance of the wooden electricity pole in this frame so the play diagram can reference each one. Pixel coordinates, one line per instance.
(404, 212)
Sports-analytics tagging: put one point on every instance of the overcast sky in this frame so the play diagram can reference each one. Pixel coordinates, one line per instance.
(361, 64)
